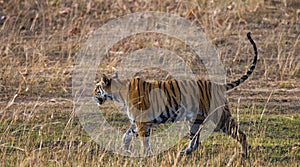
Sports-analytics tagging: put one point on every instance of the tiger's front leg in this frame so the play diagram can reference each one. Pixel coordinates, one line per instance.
(144, 133)
(127, 137)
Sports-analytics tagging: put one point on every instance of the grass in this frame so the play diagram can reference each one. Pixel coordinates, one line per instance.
(48, 139)
(39, 42)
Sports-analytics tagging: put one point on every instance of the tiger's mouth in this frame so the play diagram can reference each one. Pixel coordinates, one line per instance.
(102, 99)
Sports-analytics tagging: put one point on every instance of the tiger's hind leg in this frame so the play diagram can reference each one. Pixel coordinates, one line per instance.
(231, 128)
(194, 133)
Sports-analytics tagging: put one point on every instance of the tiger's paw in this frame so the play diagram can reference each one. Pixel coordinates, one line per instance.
(187, 151)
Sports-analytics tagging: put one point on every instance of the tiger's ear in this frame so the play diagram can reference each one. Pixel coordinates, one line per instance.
(115, 75)
(105, 79)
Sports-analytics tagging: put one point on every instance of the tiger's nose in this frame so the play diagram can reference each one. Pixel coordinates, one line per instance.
(99, 100)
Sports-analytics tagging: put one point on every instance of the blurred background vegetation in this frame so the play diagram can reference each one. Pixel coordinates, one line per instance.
(40, 38)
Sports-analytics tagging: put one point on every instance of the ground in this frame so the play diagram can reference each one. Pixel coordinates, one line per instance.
(40, 39)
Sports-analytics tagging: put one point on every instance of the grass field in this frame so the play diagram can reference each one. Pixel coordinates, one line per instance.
(38, 45)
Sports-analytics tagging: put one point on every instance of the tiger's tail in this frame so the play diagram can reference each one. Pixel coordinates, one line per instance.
(237, 82)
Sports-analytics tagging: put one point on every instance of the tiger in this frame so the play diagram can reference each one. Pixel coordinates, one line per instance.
(156, 102)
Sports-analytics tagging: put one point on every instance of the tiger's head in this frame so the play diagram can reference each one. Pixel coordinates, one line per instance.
(102, 91)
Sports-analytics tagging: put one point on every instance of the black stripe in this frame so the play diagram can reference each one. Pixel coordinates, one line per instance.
(144, 85)
(160, 96)
(144, 94)
(129, 87)
(172, 87)
(168, 95)
(150, 87)
(159, 84)
(184, 84)
(205, 101)
(208, 90)
(177, 85)
(244, 77)
(163, 117)
(200, 86)
(139, 93)
(176, 109)
(175, 101)
(138, 86)
(156, 103)
(249, 72)
(167, 111)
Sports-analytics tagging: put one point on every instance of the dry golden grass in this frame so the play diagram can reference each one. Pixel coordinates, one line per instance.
(38, 43)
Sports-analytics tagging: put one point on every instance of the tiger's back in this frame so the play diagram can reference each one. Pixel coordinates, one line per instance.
(170, 100)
